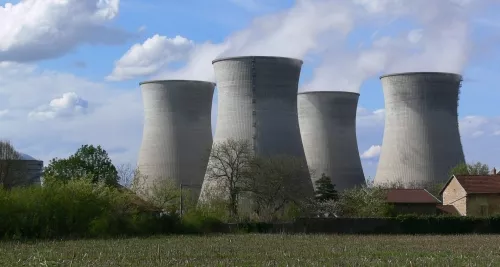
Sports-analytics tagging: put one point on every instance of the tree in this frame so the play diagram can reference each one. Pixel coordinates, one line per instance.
(7, 155)
(275, 183)
(229, 163)
(363, 202)
(325, 190)
(126, 174)
(88, 161)
(162, 193)
(476, 168)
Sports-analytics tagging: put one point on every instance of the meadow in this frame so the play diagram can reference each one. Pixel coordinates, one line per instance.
(259, 250)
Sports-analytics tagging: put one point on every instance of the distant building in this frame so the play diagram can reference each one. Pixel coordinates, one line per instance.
(20, 172)
(473, 195)
(413, 201)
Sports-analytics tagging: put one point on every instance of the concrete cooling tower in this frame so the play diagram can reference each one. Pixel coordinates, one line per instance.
(177, 134)
(257, 102)
(421, 137)
(328, 128)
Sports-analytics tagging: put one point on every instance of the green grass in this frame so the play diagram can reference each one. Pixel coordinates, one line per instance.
(259, 250)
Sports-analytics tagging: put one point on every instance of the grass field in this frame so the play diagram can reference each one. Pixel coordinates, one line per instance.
(259, 250)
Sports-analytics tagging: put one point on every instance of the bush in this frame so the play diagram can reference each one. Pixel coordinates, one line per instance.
(411, 224)
(77, 208)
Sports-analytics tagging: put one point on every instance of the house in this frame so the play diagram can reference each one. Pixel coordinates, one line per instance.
(413, 201)
(473, 195)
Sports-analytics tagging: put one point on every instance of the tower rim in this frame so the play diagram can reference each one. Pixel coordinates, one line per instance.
(296, 60)
(421, 73)
(176, 80)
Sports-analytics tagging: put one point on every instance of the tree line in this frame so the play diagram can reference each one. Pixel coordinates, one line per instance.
(245, 187)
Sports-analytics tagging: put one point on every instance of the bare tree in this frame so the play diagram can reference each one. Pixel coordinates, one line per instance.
(227, 168)
(162, 193)
(8, 176)
(126, 174)
(277, 182)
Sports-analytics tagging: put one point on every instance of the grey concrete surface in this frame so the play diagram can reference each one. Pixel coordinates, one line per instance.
(328, 128)
(257, 101)
(177, 134)
(421, 136)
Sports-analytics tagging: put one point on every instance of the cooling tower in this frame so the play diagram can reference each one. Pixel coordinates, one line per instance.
(328, 129)
(177, 133)
(257, 102)
(421, 137)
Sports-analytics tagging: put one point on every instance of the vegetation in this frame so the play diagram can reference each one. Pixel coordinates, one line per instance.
(325, 190)
(476, 168)
(364, 201)
(259, 250)
(276, 185)
(88, 161)
(76, 208)
(227, 168)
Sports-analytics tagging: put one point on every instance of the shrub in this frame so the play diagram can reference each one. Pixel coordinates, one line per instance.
(77, 208)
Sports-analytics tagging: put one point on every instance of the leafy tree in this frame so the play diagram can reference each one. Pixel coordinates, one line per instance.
(88, 161)
(228, 165)
(325, 190)
(275, 184)
(476, 168)
(363, 202)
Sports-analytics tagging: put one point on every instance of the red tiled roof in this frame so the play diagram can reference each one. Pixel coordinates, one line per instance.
(410, 196)
(480, 184)
(448, 209)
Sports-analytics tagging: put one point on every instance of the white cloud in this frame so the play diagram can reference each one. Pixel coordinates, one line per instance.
(372, 152)
(68, 105)
(113, 121)
(32, 29)
(149, 57)
(317, 30)
(3, 113)
(370, 119)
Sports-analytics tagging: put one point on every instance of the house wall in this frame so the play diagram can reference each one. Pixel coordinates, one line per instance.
(454, 194)
(483, 205)
(414, 208)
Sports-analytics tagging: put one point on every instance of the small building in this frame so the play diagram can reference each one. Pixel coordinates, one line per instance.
(22, 171)
(473, 195)
(413, 201)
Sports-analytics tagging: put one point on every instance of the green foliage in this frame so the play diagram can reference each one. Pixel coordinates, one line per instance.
(363, 202)
(76, 208)
(476, 168)
(88, 161)
(325, 190)
(412, 224)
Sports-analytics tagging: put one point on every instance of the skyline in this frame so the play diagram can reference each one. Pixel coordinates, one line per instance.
(69, 70)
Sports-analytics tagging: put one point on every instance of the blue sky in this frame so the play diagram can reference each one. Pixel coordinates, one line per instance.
(69, 71)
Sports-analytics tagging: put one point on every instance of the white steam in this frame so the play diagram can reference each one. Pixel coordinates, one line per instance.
(436, 37)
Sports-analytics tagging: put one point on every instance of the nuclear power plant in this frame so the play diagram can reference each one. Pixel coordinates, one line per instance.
(257, 102)
(177, 134)
(421, 140)
(328, 129)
